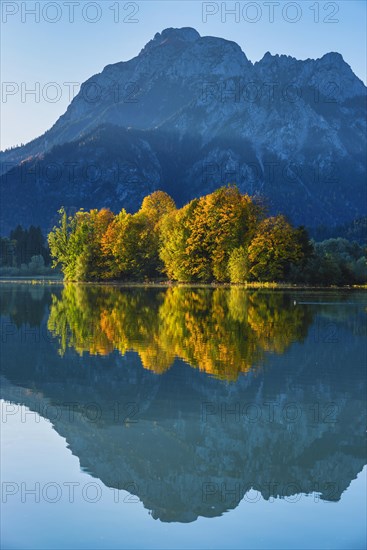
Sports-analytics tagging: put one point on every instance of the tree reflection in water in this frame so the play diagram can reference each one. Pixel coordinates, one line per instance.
(223, 331)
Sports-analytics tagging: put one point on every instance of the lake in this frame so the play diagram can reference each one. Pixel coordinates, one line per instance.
(182, 417)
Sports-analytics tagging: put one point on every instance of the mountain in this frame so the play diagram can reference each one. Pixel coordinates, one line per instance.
(190, 114)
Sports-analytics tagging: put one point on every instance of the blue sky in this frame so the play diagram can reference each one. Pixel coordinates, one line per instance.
(72, 40)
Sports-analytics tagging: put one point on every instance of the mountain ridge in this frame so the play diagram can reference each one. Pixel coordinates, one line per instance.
(224, 112)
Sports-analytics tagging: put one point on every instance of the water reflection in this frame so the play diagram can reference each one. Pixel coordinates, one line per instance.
(223, 332)
(192, 399)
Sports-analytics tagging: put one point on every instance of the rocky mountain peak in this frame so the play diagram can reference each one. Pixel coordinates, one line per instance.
(184, 33)
(202, 115)
(333, 57)
(172, 37)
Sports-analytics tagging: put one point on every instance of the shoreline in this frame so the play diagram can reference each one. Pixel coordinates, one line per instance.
(168, 284)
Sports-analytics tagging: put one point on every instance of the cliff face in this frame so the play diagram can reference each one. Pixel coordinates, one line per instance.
(189, 114)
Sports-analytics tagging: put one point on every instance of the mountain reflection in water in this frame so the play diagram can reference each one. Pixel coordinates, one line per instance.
(199, 395)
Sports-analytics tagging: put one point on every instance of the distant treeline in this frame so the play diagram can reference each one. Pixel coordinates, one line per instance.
(355, 230)
(224, 237)
(24, 252)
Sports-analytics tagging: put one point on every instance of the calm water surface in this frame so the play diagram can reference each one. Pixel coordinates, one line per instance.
(182, 418)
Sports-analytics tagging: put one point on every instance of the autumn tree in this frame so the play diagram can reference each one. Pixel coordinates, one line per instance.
(175, 229)
(88, 237)
(273, 249)
(156, 206)
(223, 221)
(238, 269)
(131, 247)
(154, 209)
(222, 236)
(198, 239)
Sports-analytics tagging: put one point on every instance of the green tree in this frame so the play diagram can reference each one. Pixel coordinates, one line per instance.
(337, 261)
(7, 252)
(76, 244)
(60, 247)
